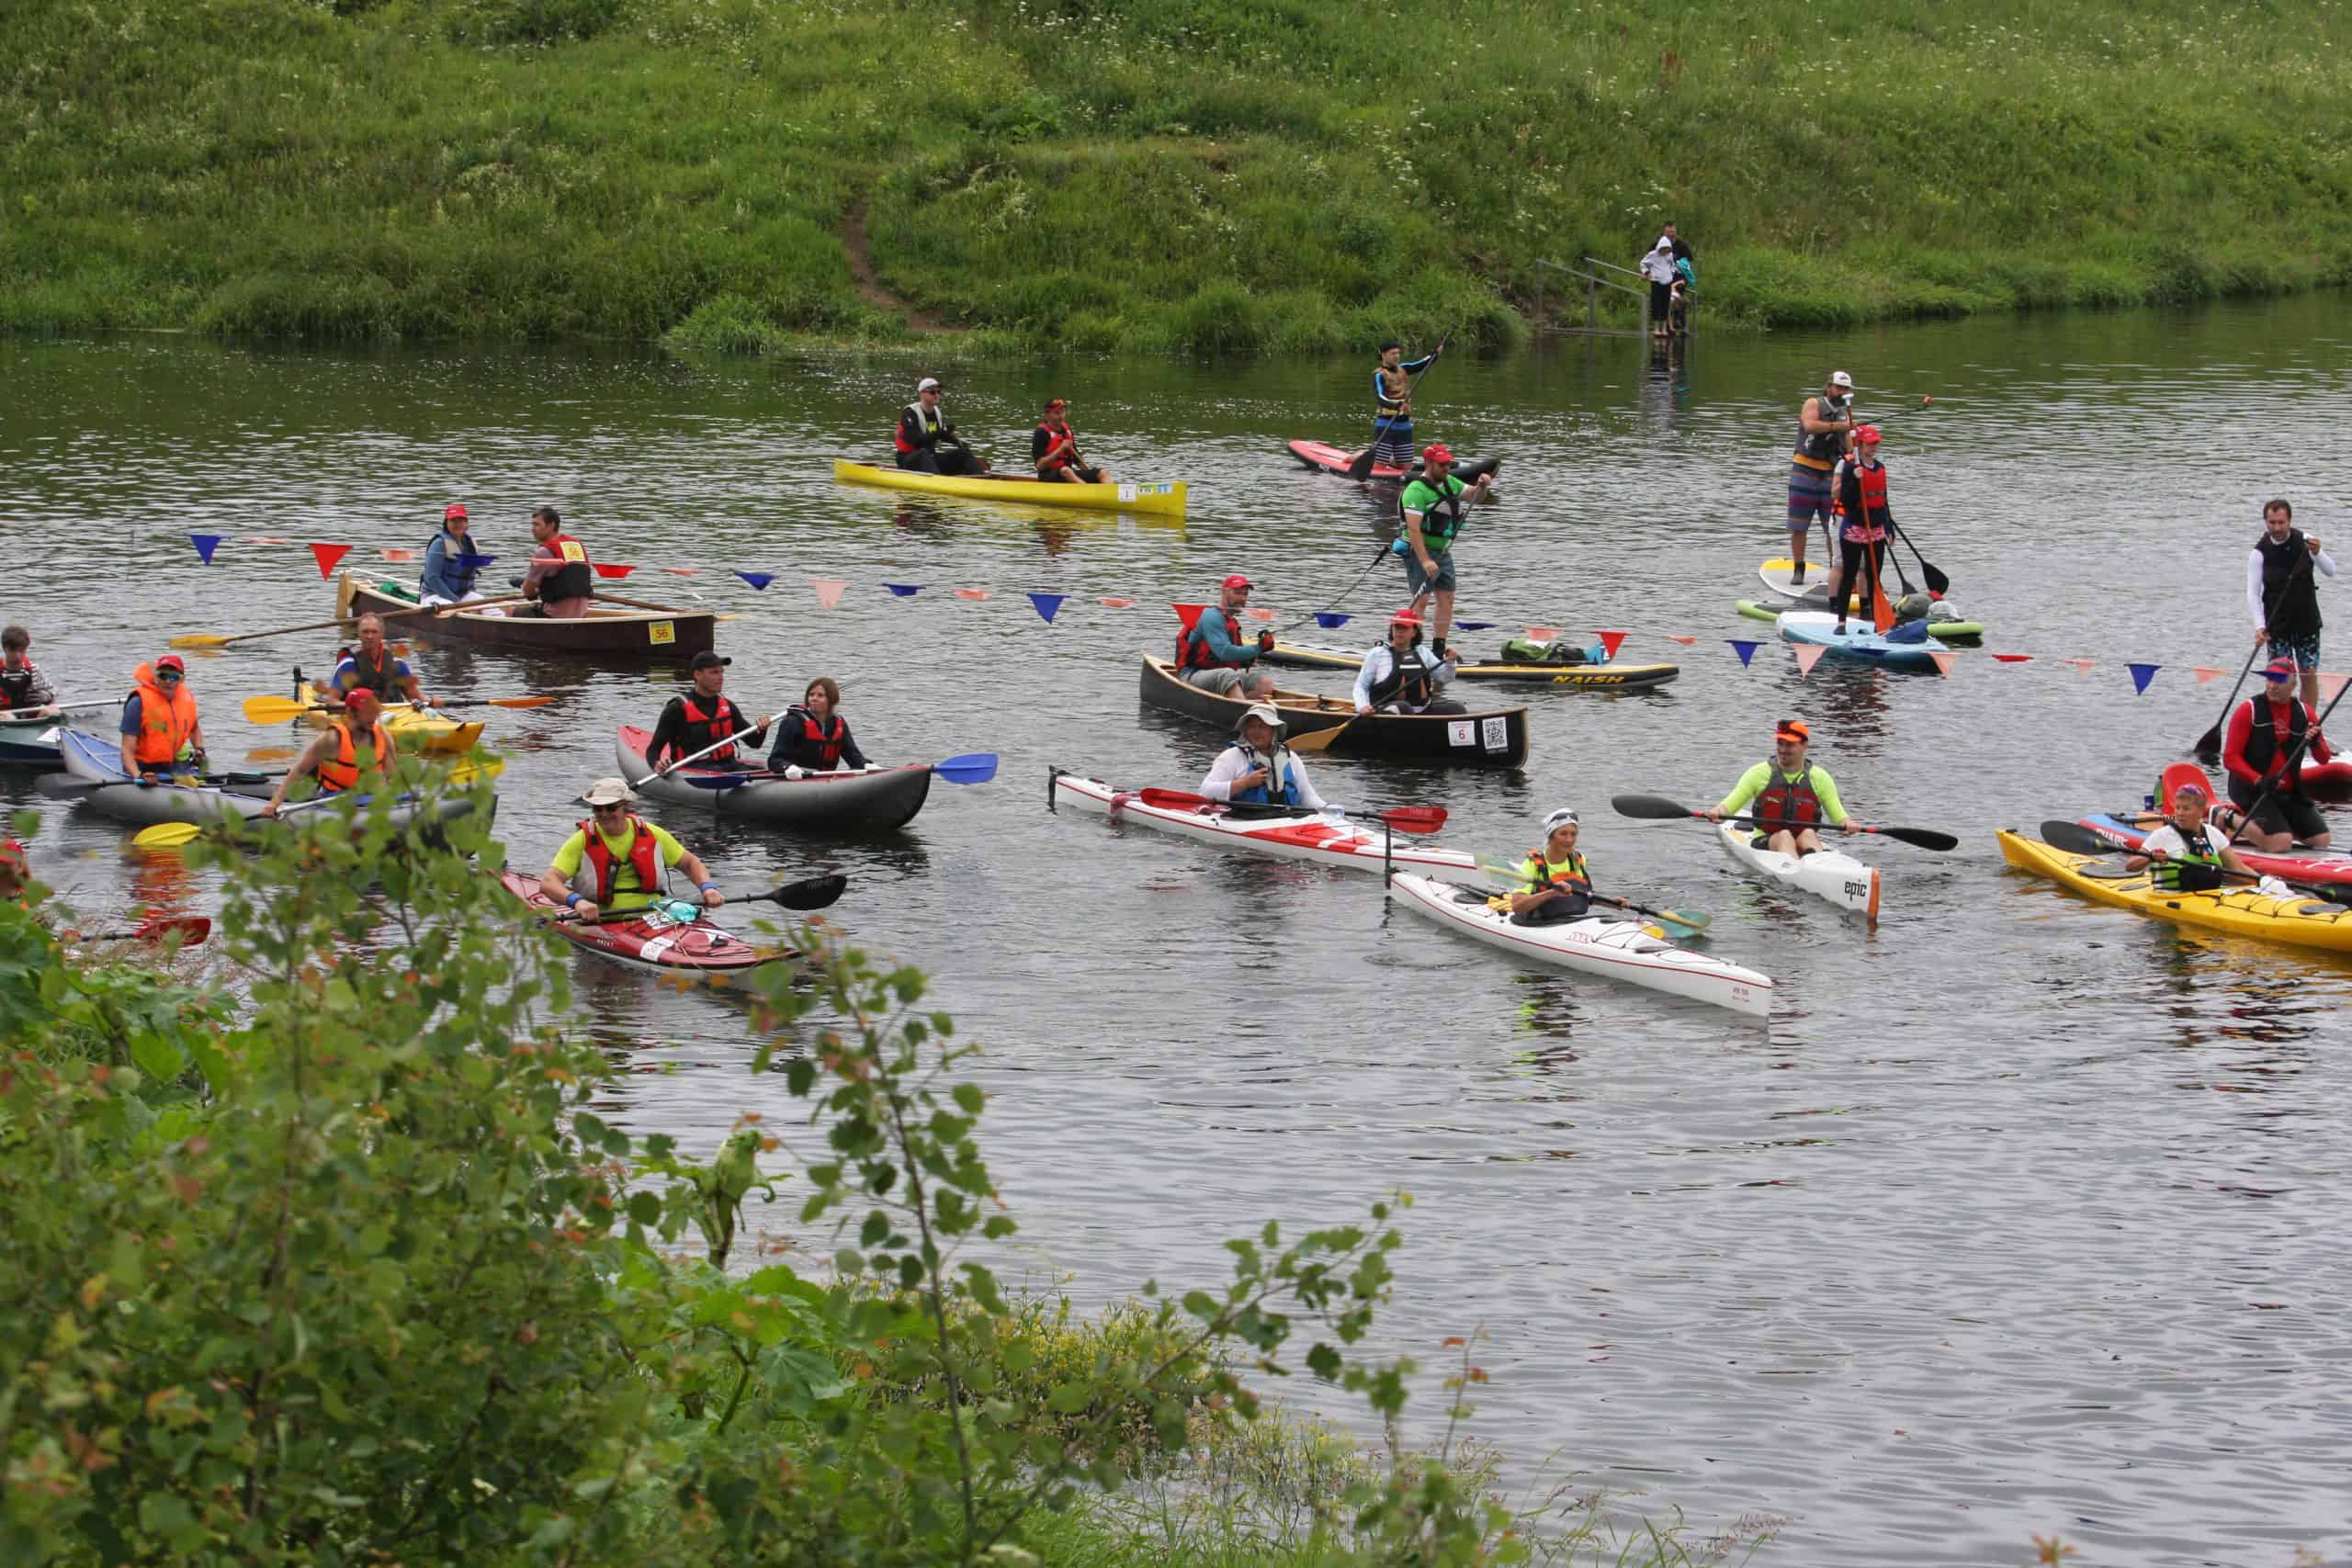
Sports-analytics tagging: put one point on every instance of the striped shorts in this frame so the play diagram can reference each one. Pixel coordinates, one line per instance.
(1393, 444)
(1808, 495)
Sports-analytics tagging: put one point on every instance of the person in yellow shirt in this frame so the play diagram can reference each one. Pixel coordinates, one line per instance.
(616, 860)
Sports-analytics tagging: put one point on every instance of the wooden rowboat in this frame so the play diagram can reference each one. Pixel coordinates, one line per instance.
(1159, 499)
(613, 633)
(1495, 738)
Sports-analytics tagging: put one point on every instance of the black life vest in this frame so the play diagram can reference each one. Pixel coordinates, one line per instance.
(828, 741)
(2262, 740)
(1441, 518)
(1193, 649)
(1822, 448)
(2290, 601)
(1787, 802)
(704, 729)
(1407, 679)
(382, 678)
(17, 687)
(572, 580)
(2192, 871)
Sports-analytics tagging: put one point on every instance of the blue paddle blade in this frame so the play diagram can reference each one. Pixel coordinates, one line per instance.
(973, 767)
(715, 781)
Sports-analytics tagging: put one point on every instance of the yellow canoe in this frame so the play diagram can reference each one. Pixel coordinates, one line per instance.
(1125, 495)
(412, 731)
(2306, 922)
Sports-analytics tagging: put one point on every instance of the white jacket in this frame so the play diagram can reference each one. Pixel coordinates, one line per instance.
(1240, 758)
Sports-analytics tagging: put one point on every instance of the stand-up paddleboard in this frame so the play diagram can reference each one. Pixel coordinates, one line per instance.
(1859, 642)
(1947, 631)
(1334, 460)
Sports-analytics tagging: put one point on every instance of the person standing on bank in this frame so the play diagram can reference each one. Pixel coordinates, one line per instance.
(2284, 600)
(1399, 677)
(1391, 388)
(1431, 511)
(1823, 426)
(926, 441)
(1658, 267)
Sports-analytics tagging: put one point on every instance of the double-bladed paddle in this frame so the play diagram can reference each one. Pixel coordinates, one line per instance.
(1680, 924)
(809, 893)
(2077, 839)
(1411, 820)
(973, 767)
(277, 710)
(1657, 808)
(209, 640)
(57, 708)
(1361, 469)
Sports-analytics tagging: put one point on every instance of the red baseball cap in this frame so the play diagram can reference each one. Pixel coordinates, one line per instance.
(1437, 452)
(362, 700)
(1867, 432)
(172, 662)
(1053, 403)
(1405, 617)
(2280, 669)
(456, 509)
(1236, 580)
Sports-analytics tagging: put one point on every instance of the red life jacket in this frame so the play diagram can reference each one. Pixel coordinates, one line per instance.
(1786, 802)
(342, 770)
(1871, 524)
(1193, 651)
(935, 420)
(644, 858)
(702, 728)
(1053, 435)
(827, 742)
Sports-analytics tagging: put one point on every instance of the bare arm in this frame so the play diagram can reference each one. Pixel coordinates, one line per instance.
(698, 874)
(304, 765)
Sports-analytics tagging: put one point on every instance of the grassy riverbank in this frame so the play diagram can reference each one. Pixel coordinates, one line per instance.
(1189, 175)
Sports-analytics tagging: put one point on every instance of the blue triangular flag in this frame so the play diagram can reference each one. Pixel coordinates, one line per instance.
(757, 579)
(205, 545)
(1476, 625)
(1747, 649)
(2140, 675)
(1329, 620)
(1048, 603)
(472, 563)
(906, 590)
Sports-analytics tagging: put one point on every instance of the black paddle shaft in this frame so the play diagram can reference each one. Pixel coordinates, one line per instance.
(1361, 469)
(2294, 762)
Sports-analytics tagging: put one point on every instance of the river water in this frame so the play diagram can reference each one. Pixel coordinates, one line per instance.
(2020, 1216)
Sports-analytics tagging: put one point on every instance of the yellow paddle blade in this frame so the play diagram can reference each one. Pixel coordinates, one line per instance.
(197, 640)
(272, 710)
(467, 772)
(167, 835)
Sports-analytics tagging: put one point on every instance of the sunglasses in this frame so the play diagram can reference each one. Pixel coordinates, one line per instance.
(615, 808)
(168, 674)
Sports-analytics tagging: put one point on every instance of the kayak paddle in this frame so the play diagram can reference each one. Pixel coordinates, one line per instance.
(191, 929)
(1657, 808)
(277, 710)
(209, 640)
(2077, 839)
(1361, 469)
(720, 744)
(973, 767)
(809, 893)
(55, 708)
(1679, 924)
(171, 835)
(1411, 820)
(2293, 766)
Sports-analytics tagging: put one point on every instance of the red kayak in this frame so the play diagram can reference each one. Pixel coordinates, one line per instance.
(2318, 867)
(654, 941)
(1333, 460)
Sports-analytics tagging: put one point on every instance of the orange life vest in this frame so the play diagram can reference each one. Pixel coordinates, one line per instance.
(644, 858)
(342, 770)
(166, 721)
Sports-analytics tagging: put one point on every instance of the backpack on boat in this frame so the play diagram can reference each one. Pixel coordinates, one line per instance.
(1908, 631)
(1523, 651)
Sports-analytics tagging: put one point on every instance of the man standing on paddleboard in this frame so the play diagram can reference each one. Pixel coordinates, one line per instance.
(1392, 385)
(2285, 601)
(1823, 425)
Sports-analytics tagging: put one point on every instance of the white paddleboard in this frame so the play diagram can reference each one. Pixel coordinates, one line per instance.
(1815, 595)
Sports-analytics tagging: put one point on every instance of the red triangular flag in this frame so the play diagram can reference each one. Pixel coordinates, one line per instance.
(611, 568)
(1116, 604)
(1685, 641)
(973, 592)
(2013, 658)
(1260, 611)
(1188, 614)
(327, 555)
(2329, 685)
(1542, 634)
(1610, 642)
(2206, 672)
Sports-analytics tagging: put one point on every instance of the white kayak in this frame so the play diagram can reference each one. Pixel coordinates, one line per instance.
(1620, 949)
(1828, 874)
(1326, 838)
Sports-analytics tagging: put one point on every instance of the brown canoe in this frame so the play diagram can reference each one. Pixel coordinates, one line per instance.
(612, 633)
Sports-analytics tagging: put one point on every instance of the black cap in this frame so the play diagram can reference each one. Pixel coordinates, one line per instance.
(707, 659)
(1390, 344)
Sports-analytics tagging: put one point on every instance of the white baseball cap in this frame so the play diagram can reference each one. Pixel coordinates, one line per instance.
(1839, 379)
(930, 384)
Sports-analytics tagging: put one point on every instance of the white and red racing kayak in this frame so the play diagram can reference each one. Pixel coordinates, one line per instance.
(1326, 838)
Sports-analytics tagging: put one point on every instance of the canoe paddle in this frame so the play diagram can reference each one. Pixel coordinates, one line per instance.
(1361, 469)
(191, 929)
(973, 767)
(1657, 808)
(2211, 742)
(1679, 924)
(720, 744)
(809, 893)
(1411, 820)
(209, 640)
(277, 710)
(1937, 583)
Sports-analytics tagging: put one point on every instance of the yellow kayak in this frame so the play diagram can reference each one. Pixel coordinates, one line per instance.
(1125, 495)
(2306, 922)
(412, 731)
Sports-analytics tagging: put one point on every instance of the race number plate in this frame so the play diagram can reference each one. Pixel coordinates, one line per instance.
(661, 632)
(1462, 732)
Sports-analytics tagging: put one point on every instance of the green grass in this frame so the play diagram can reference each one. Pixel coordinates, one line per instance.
(1174, 175)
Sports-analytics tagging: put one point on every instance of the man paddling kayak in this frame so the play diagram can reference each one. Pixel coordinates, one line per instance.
(1398, 677)
(2285, 599)
(356, 746)
(1560, 884)
(1822, 425)
(1210, 653)
(161, 735)
(2262, 732)
(1053, 448)
(615, 859)
(560, 576)
(1429, 511)
(812, 736)
(24, 690)
(1391, 388)
(368, 665)
(1793, 794)
(704, 717)
(925, 442)
(2189, 853)
(1255, 769)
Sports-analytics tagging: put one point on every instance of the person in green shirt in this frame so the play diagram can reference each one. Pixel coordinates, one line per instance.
(1793, 794)
(1558, 883)
(1431, 508)
(621, 866)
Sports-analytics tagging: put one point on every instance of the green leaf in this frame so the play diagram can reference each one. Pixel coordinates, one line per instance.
(968, 1096)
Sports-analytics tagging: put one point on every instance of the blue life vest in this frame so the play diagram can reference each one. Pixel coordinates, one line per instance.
(1257, 794)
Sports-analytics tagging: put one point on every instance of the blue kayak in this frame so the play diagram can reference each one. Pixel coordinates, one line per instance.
(1859, 641)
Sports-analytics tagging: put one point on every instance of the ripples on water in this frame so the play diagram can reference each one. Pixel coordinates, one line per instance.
(2022, 1216)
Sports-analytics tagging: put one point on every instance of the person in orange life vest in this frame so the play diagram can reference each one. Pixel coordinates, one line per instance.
(14, 874)
(1791, 795)
(24, 690)
(2261, 731)
(370, 664)
(356, 746)
(1053, 446)
(560, 576)
(814, 737)
(161, 736)
(1560, 884)
(1210, 653)
(615, 860)
(1860, 501)
(705, 717)
(926, 443)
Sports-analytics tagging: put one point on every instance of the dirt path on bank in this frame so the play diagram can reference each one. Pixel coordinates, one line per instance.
(869, 287)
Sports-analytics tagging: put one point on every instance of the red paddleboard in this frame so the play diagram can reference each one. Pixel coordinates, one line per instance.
(689, 949)
(1333, 460)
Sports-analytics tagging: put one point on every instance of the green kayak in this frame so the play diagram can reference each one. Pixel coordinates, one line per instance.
(1943, 631)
